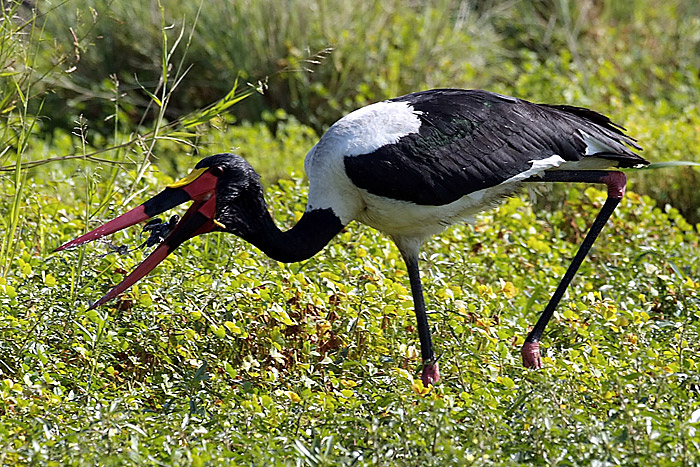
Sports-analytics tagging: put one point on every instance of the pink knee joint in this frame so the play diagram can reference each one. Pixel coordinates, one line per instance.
(616, 182)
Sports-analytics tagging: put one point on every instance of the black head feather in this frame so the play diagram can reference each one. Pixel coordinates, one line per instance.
(240, 205)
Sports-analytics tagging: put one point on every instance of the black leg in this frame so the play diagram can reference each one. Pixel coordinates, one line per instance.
(430, 373)
(616, 182)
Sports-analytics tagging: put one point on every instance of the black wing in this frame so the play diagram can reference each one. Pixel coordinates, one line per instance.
(471, 140)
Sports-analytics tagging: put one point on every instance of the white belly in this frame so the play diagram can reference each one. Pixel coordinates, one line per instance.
(406, 219)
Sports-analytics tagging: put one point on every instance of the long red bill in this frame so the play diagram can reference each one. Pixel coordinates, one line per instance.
(199, 186)
(190, 188)
(198, 220)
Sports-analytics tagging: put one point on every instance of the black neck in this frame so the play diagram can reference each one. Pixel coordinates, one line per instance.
(313, 231)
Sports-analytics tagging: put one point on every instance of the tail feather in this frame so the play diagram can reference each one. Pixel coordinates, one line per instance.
(603, 137)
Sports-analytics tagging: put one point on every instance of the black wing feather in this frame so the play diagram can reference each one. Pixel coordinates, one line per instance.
(470, 140)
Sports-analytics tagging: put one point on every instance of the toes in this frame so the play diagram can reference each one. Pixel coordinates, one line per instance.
(531, 355)
(430, 374)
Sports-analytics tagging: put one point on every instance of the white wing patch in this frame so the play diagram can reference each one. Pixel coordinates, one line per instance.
(538, 166)
(595, 146)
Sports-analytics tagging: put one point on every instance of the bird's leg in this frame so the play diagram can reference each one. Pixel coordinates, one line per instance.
(615, 182)
(430, 373)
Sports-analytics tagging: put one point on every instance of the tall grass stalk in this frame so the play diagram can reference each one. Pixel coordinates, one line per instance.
(143, 143)
(17, 87)
(166, 89)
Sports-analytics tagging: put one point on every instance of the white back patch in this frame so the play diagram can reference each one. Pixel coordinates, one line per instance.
(360, 132)
(367, 129)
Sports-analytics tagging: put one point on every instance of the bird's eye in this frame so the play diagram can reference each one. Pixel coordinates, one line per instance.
(217, 170)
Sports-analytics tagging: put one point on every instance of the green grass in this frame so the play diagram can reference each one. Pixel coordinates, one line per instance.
(223, 356)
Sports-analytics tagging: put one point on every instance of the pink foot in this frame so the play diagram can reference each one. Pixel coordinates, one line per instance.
(430, 374)
(531, 355)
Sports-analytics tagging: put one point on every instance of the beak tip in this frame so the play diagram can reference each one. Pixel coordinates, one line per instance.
(198, 220)
(90, 236)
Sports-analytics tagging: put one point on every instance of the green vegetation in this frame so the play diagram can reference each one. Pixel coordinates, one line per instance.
(223, 356)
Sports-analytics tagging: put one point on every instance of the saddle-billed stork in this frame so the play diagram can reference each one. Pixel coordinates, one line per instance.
(409, 167)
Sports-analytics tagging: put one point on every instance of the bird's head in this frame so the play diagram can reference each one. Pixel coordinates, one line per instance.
(223, 188)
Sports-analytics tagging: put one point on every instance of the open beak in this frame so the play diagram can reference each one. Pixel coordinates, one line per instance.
(199, 186)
